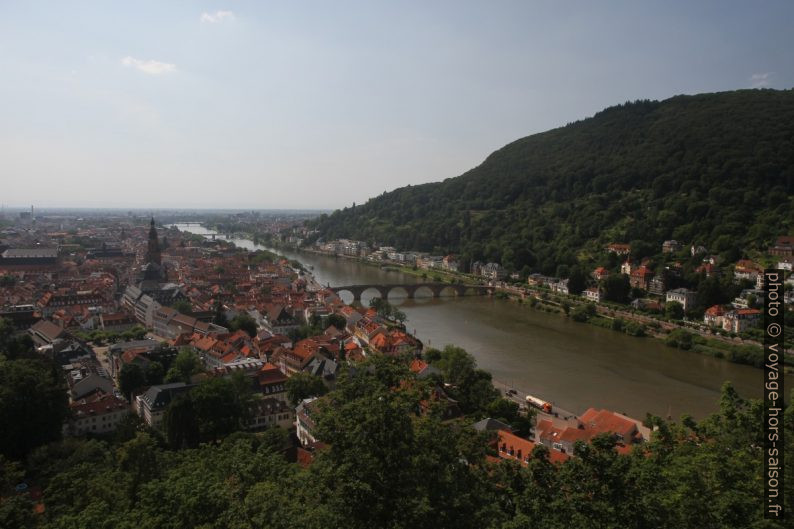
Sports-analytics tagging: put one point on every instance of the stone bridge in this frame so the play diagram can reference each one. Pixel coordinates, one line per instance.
(458, 289)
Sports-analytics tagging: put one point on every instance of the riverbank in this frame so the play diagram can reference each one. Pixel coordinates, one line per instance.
(641, 326)
(618, 319)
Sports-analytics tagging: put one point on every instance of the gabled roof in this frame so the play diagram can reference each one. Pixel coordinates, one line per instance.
(490, 425)
(604, 421)
(322, 367)
(47, 330)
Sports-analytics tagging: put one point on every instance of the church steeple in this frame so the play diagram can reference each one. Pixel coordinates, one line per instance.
(153, 248)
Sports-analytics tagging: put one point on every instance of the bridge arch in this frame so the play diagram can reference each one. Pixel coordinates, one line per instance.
(422, 290)
(449, 290)
(401, 289)
(351, 290)
(375, 291)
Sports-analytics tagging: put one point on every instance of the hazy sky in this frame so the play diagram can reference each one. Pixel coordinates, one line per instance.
(322, 104)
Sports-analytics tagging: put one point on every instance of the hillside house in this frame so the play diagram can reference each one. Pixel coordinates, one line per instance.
(592, 294)
(618, 248)
(714, 316)
(740, 320)
(683, 296)
(641, 277)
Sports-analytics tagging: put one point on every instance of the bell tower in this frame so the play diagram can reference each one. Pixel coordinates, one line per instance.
(153, 248)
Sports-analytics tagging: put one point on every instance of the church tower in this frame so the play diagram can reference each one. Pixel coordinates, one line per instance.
(153, 248)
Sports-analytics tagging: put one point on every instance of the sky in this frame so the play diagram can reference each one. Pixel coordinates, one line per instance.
(238, 104)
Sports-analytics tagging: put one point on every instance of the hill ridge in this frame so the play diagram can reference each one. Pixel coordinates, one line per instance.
(713, 169)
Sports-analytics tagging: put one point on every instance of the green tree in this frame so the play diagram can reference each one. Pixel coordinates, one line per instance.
(181, 423)
(674, 310)
(220, 315)
(16, 510)
(432, 355)
(218, 408)
(338, 321)
(182, 305)
(616, 288)
(581, 313)
(154, 373)
(185, 365)
(503, 409)
(386, 310)
(33, 405)
(385, 469)
(304, 385)
(131, 377)
(13, 345)
(245, 322)
(138, 458)
(680, 338)
(456, 364)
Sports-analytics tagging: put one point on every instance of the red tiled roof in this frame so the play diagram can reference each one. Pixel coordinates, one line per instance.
(305, 348)
(604, 421)
(509, 445)
(715, 310)
(418, 365)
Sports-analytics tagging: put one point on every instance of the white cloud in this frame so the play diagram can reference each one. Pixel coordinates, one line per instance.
(761, 80)
(148, 67)
(217, 16)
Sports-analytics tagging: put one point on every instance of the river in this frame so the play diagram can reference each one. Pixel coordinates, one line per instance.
(573, 365)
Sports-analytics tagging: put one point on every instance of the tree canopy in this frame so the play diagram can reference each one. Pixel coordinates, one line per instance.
(33, 405)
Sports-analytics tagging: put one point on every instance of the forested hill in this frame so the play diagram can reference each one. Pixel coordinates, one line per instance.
(711, 169)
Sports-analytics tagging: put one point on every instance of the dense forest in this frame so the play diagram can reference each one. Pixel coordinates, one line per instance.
(387, 465)
(713, 169)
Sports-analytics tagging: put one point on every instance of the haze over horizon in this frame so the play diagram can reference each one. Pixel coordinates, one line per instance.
(236, 105)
